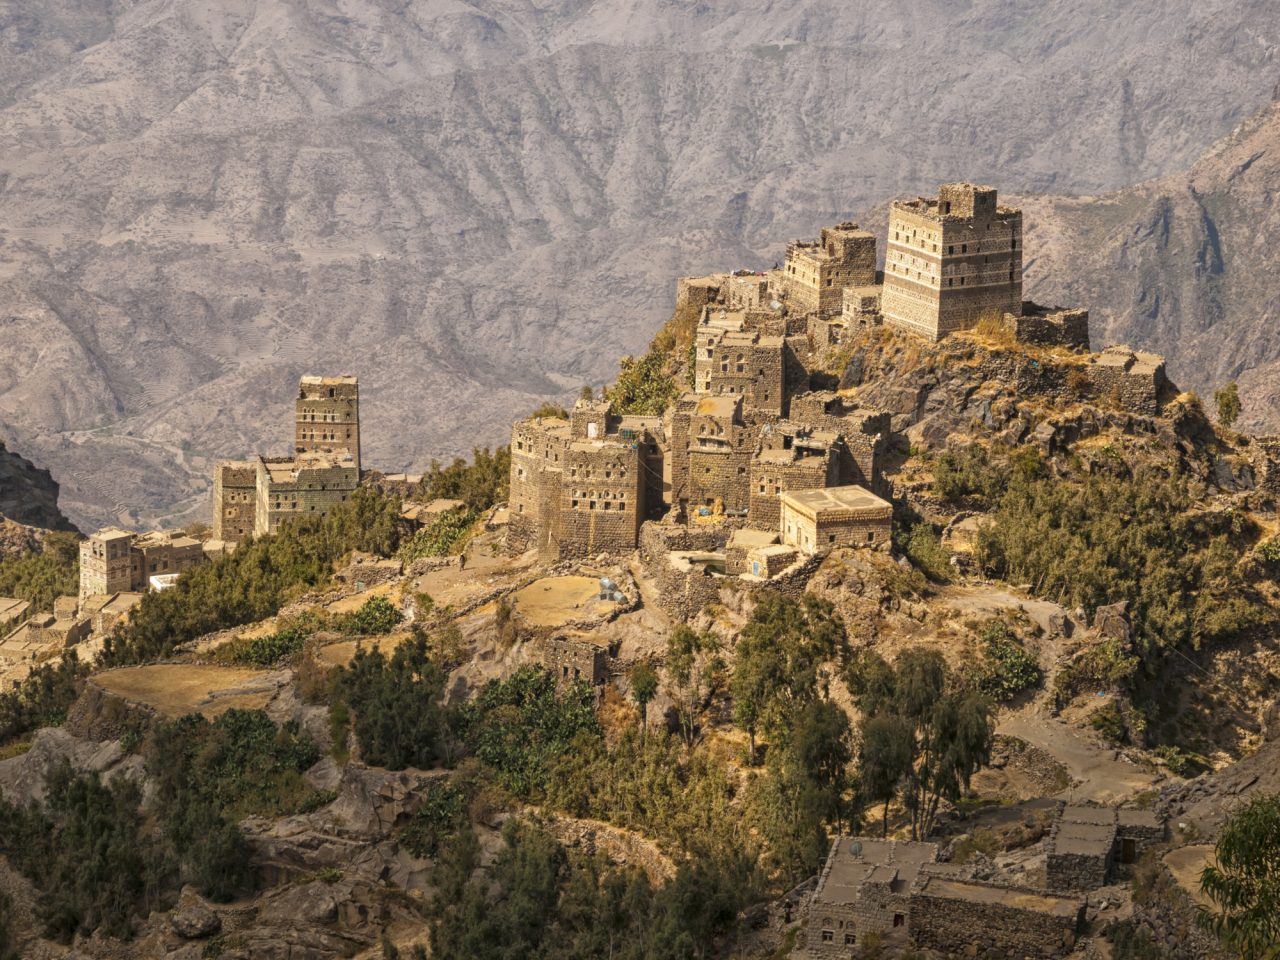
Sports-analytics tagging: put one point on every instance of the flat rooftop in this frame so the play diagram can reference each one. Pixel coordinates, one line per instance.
(833, 499)
(721, 407)
(1046, 903)
(314, 380)
(112, 533)
(747, 537)
(11, 607)
(846, 872)
(1084, 839)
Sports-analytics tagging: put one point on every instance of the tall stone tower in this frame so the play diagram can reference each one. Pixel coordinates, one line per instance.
(328, 417)
(951, 261)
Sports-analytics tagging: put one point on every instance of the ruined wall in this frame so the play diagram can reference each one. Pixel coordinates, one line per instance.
(1129, 379)
(816, 272)
(1050, 328)
(972, 928)
(571, 658)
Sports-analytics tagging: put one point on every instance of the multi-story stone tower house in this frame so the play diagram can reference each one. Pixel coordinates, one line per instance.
(328, 416)
(816, 272)
(951, 261)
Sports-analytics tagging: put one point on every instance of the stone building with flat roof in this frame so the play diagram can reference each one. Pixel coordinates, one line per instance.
(815, 273)
(308, 485)
(235, 499)
(816, 521)
(1088, 845)
(327, 417)
(951, 261)
(117, 561)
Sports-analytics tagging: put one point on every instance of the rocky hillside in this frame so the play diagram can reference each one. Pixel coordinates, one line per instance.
(28, 499)
(474, 206)
(1184, 265)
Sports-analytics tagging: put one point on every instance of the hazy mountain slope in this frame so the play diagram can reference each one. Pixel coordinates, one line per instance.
(1186, 265)
(471, 205)
(28, 496)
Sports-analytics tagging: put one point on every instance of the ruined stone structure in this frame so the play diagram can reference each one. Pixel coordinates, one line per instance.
(899, 891)
(951, 261)
(235, 499)
(253, 497)
(1130, 378)
(1050, 326)
(117, 561)
(1087, 844)
(308, 485)
(327, 417)
(817, 521)
(816, 272)
(576, 657)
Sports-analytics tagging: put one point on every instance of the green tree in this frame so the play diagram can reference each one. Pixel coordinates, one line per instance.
(644, 687)
(1228, 400)
(1244, 881)
(44, 575)
(399, 720)
(951, 726)
(692, 662)
(884, 760)
(480, 484)
(781, 660)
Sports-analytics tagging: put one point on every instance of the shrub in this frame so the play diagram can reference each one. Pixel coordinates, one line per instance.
(440, 537)
(270, 649)
(442, 813)
(967, 472)
(1109, 722)
(480, 484)
(376, 616)
(1007, 668)
(643, 387)
(925, 550)
(42, 698)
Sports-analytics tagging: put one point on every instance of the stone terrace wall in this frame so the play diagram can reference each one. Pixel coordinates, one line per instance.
(973, 928)
(1054, 328)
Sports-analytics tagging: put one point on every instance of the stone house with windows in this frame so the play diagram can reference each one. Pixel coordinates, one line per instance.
(253, 497)
(576, 656)
(1088, 845)
(817, 521)
(815, 272)
(952, 260)
(116, 561)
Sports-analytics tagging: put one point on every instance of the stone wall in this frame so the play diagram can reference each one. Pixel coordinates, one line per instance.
(771, 476)
(575, 658)
(327, 417)
(965, 926)
(1130, 379)
(235, 500)
(1050, 327)
(601, 499)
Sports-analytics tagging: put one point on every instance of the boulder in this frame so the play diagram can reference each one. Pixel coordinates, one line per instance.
(194, 921)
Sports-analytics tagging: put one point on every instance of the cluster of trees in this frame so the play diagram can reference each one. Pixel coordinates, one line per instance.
(479, 484)
(1100, 540)
(43, 576)
(925, 732)
(557, 904)
(101, 860)
(42, 698)
(257, 579)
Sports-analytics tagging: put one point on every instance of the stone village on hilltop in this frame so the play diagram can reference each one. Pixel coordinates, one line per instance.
(752, 474)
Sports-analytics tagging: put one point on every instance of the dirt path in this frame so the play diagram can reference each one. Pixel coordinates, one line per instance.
(1097, 774)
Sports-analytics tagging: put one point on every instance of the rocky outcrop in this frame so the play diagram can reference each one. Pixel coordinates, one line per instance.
(23, 778)
(28, 496)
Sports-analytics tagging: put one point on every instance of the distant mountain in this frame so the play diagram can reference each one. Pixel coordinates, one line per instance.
(1187, 265)
(475, 205)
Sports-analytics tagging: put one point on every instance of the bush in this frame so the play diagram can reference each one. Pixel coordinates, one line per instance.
(376, 616)
(480, 484)
(1110, 724)
(268, 650)
(925, 550)
(440, 537)
(1007, 668)
(960, 474)
(521, 726)
(442, 814)
(644, 387)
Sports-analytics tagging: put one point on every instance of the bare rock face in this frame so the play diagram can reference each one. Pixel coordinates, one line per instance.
(193, 921)
(28, 498)
(23, 778)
